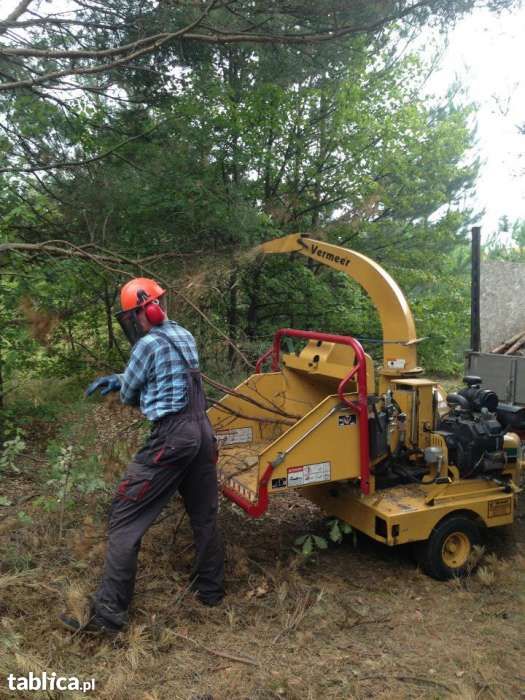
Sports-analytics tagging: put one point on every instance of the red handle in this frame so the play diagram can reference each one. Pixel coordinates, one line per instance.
(260, 506)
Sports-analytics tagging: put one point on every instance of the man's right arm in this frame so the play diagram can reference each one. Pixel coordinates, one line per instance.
(133, 379)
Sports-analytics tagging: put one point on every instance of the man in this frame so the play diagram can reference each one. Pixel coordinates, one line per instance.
(162, 376)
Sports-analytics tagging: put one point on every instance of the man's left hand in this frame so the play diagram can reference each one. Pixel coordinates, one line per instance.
(104, 384)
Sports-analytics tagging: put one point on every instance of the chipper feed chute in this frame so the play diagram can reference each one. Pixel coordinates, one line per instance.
(301, 424)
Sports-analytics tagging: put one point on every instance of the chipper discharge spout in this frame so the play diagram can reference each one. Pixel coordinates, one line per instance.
(397, 322)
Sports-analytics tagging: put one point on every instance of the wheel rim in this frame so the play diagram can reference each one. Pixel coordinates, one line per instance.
(456, 550)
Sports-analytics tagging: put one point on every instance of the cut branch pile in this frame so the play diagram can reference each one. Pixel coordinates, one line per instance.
(512, 346)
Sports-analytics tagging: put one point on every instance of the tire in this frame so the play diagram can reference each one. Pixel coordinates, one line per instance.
(447, 552)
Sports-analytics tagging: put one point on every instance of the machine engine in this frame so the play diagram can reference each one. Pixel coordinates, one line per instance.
(472, 431)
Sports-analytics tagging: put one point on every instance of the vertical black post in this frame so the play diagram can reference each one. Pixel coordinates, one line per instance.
(475, 329)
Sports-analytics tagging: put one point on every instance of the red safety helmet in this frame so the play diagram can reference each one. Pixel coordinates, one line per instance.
(140, 293)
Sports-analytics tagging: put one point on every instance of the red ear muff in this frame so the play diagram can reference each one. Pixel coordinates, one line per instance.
(155, 313)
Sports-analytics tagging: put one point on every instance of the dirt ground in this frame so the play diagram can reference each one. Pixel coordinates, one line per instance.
(351, 622)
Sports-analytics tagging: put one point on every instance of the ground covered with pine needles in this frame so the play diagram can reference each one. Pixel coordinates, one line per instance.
(352, 621)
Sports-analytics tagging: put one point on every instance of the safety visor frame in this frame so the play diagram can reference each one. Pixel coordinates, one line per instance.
(130, 324)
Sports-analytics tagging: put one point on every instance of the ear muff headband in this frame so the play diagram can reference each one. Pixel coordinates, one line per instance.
(155, 313)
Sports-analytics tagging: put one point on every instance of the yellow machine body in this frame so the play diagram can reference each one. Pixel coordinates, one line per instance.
(290, 430)
(409, 513)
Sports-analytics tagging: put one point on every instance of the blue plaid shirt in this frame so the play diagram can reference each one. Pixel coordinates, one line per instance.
(155, 374)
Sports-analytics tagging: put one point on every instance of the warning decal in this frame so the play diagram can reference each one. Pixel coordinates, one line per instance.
(347, 420)
(502, 506)
(309, 474)
(235, 436)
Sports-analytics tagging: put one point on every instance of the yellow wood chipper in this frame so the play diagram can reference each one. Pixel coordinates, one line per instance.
(390, 455)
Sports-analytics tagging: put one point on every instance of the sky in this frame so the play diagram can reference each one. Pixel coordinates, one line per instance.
(487, 53)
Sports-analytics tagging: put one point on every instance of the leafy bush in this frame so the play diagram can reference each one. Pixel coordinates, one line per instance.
(310, 543)
(11, 450)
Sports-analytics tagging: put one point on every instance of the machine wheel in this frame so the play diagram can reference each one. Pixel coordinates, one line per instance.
(447, 551)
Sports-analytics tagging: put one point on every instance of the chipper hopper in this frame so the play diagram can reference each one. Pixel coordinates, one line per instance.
(395, 459)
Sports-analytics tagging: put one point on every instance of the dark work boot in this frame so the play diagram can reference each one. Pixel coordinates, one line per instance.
(210, 602)
(95, 625)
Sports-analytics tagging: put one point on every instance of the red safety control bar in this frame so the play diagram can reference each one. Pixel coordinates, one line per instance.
(360, 407)
(254, 508)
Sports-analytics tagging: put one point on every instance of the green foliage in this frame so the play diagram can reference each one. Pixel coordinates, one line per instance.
(72, 473)
(251, 143)
(309, 544)
(16, 559)
(507, 243)
(10, 452)
(24, 518)
(338, 529)
(70, 476)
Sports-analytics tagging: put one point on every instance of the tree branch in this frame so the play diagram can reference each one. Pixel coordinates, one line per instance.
(156, 42)
(77, 163)
(108, 261)
(67, 249)
(215, 35)
(15, 14)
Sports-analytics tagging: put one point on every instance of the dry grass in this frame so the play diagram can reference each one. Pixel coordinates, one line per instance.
(348, 624)
(41, 324)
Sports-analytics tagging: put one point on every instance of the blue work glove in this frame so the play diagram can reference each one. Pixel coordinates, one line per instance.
(105, 384)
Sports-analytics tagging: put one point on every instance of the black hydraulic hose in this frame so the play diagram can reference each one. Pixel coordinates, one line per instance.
(376, 416)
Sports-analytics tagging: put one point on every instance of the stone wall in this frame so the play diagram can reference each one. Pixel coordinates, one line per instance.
(502, 302)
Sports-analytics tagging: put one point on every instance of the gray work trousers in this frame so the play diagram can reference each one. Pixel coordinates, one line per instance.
(179, 455)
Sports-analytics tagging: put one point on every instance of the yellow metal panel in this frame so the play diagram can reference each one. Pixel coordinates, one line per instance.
(321, 447)
(414, 397)
(302, 392)
(512, 441)
(253, 424)
(406, 398)
(399, 515)
(326, 441)
(239, 468)
(414, 382)
(329, 359)
(424, 414)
